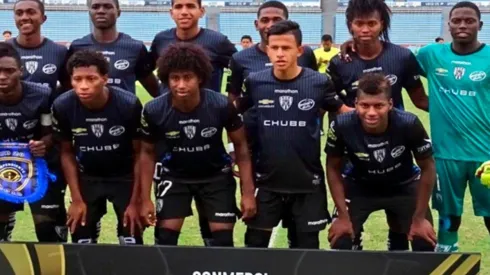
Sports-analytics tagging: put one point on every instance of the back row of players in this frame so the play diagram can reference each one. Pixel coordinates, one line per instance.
(113, 154)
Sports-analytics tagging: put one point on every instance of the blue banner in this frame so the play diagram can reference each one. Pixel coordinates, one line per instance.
(23, 177)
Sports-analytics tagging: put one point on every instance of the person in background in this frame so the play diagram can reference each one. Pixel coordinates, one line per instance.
(325, 53)
(246, 41)
(6, 35)
(440, 40)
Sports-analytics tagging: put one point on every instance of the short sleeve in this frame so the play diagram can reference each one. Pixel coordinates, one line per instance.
(335, 145)
(236, 79)
(226, 51)
(46, 116)
(312, 62)
(423, 59)
(412, 73)
(147, 127)
(144, 66)
(334, 74)
(233, 120)
(61, 126)
(420, 143)
(135, 120)
(331, 101)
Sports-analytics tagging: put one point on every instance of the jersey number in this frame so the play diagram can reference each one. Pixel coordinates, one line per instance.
(162, 188)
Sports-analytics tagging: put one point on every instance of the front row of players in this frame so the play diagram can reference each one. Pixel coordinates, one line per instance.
(108, 149)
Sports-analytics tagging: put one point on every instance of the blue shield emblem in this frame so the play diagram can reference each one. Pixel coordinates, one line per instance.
(22, 176)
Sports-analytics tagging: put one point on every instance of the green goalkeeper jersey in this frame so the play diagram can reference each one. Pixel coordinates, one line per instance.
(459, 101)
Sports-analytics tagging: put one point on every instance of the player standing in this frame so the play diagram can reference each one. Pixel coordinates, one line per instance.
(98, 126)
(25, 117)
(458, 79)
(190, 121)
(379, 141)
(128, 58)
(325, 53)
(43, 62)
(369, 22)
(289, 176)
(246, 41)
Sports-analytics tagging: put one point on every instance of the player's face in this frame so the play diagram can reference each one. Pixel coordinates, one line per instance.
(10, 74)
(104, 14)
(184, 85)
(327, 45)
(88, 83)
(366, 29)
(186, 13)
(283, 51)
(464, 25)
(373, 109)
(267, 18)
(246, 43)
(28, 17)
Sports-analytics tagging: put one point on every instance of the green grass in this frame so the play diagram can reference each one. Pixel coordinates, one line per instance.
(473, 234)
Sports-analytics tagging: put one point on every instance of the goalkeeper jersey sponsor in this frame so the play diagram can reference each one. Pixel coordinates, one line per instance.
(459, 96)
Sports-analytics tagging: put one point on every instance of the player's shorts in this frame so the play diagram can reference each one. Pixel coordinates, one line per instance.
(308, 212)
(452, 178)
(96, 191)
(216, 197)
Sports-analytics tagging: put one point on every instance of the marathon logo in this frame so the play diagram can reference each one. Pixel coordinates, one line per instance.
(227, 273)
(189, 121)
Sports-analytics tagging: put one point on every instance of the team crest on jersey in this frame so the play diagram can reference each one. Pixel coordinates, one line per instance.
(379, 155)
(97, 129)
(286, 102)
(190, 131)
(31, 66)
(11, 123)
(459, 72)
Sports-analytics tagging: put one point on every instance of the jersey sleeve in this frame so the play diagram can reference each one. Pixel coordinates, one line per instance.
(233, 120)
(236, 79)
(226, 51)
(411, 78)
(334, 74)
(135, 120)
(46, 116)
(312, 62)
(423, 59)
(245, 102)
(335, 145)
(147, 127)
(61, 125)
(331, 101)
(144, 65)
(419, 142)
(153, 54)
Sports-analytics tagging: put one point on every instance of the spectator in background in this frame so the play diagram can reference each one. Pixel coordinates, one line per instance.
(6, 35)
(325, 53)
(440, 40)
(246, 41)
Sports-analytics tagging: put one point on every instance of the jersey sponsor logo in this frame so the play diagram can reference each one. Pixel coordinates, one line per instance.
(306, 104)
(441, 72)
(397, 151)
(209, 132)
(30, 124)
(49, 69)
(38, 57)
(97, 129)
(189, 121)
(377, 145)
(464, 63)
(362, 156)
(370, 70)
(426, 147)
(116, 130)
(379, 155)
(99, 148)
(266, 103)
(190, 131)
(97, 119)
(11, 123)
(192, 149)
(478, 76)
(79, 132)
(457, 92)
(121, 64)
(172, 134)
(392, 79)
(287, 91)
(31, 66)
(459, 72)
(284, 123)
(384, 171)
(286, 102)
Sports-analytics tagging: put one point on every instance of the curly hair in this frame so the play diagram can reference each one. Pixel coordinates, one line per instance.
(87, 58)
(360, 8)
(184, 57)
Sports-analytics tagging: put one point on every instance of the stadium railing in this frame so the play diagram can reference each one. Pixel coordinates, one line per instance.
(52, 259)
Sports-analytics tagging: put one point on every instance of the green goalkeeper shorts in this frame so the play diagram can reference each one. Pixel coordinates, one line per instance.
(452, 178)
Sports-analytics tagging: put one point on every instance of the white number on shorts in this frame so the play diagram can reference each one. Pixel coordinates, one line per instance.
(163, 187)
(158, 171)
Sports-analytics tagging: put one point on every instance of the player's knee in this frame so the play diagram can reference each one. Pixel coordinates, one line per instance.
(308, 240)
(167, 236)
(223, 238)
(419, 244)
(343, 243)
(449, 223)
(257, 237)
(357, 242)
(49, 231)
(397, 241)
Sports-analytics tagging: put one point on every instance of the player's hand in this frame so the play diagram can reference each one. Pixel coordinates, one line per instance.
(339, 228)
(37, 147)
(345, 48)
(131, 218)
(423, 229)
(77, 214)
(147, 213)
(248, 206)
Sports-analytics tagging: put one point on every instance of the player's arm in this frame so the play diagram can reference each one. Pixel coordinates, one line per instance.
(421, 147)
(236, 80)
(144, 72)
(331, 100)
(312, 62)
(333, 73)
(64, 77)
(236, 133)
(244, 102)
(136, 136)
(413, 84)
(226, 49)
